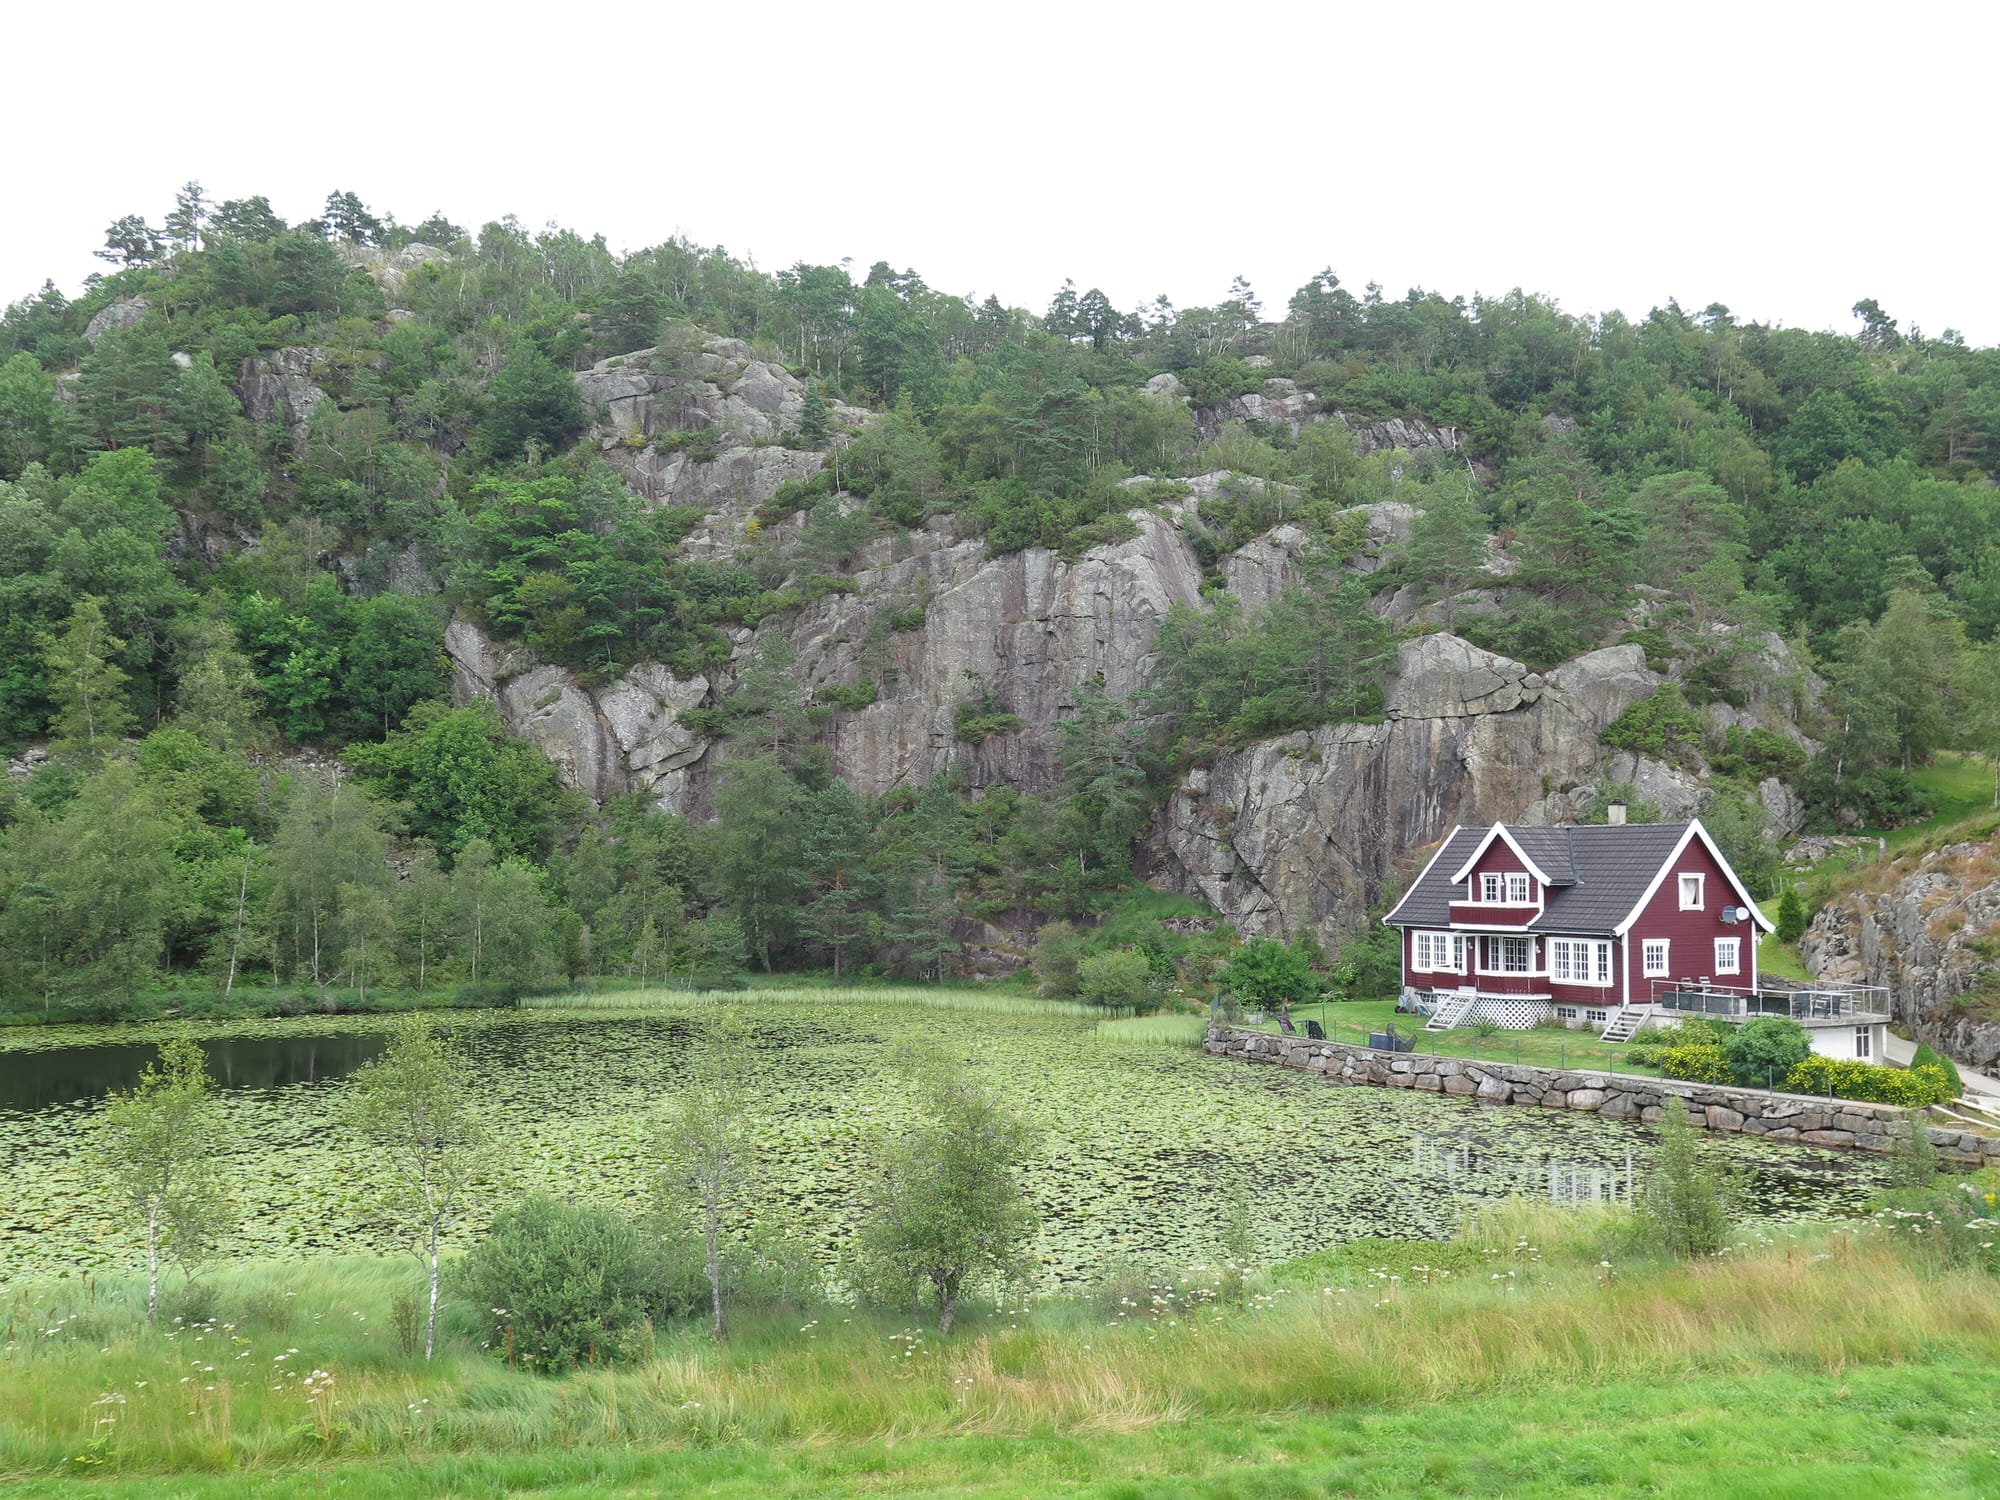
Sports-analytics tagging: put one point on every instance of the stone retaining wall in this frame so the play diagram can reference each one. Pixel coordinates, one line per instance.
(1803, 1118)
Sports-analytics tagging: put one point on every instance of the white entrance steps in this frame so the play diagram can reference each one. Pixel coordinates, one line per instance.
(1626, 1023)
(1451, 1010)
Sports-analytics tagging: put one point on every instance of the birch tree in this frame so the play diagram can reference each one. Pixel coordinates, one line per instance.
(706, 1160)
(414, 1104)
(947, 1208)
(158, 1153)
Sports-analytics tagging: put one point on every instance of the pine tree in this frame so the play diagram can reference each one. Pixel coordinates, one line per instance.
(836, 847)
(1791, 916)
(814, 426)
(190, 215)
(1447, 548)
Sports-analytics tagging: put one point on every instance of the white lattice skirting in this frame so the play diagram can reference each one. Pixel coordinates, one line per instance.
(1508, 1015)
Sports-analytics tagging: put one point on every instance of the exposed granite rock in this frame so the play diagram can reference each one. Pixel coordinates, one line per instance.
(391, 270)
(714, 387)
(1405, 433)
(128, 312)
(1302, 830)
(1923, 938)
(1264, 567)
(626, 735)
(704, 425)
(1029, 625)
(279, 387)
(1279, 404)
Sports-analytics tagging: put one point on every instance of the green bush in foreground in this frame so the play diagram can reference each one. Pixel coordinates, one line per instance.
(1870, 1083)
(1684, 1205)
(559, 1286)
(1762, 1051)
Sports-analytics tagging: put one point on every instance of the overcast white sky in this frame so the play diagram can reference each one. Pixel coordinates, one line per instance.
(1784, 159)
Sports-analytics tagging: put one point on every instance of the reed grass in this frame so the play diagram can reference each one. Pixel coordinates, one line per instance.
(300, 1362)
(913, 997)
(1173, 1030)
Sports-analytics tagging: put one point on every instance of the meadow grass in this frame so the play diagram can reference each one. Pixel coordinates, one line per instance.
(1353, 1021)
(300, 1365)
(1913, 1430)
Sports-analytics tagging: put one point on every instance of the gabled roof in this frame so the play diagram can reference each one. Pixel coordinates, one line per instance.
(1601, 873)
(1500, 831)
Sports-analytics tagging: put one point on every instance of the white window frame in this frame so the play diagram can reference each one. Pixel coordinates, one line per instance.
(1505, 946)
(1491, 888)
(1580, 961)
(1519, 891)
(1648, 969)
(1427, 947)
(1864, 1041)
(1729, 955)
(1700, 891)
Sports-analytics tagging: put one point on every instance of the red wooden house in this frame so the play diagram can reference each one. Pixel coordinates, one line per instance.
(1592, 925)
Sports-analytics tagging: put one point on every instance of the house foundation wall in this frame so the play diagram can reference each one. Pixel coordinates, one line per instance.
(1839, 1123)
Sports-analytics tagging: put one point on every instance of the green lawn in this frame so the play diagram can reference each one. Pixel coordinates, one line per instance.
(1353, 1020)
(1915, 1430)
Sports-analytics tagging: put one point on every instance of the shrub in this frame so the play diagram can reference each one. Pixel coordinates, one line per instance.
(559, 1285)
(1662, 726)
(1117, 981)
(1925, 1057)
(1870, 1083)
(1267, 972)
(1913, 1161)
(1058, 950)
(1684, 1204)
(1695, 1062)
(1649, 1048)
(1762, 1051)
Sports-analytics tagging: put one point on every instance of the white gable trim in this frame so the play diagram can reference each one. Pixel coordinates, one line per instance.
(1499, 830)
(1456, 829)
(1694, 828)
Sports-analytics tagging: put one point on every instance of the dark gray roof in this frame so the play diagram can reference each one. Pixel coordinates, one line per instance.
(1599, 873)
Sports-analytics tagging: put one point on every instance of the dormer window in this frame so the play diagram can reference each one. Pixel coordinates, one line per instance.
(1691, 892)
(1489, 889)
(1517, 890)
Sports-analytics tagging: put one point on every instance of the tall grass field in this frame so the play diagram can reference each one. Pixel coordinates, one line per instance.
(1532, 1356)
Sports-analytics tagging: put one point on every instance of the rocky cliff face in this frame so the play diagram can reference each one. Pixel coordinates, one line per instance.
(1302, 830)
(624, 736)
(1295, 832)
(705, 425)
(1028, 626)
(279, 387)
(1933, 937)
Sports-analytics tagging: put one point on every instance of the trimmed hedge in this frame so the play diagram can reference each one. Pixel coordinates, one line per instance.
(1870, 1083)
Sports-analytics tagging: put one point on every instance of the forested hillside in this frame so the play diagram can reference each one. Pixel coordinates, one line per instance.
(819, 531)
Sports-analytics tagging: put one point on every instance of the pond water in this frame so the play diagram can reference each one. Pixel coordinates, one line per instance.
(32, 1080)
(1142, 1146)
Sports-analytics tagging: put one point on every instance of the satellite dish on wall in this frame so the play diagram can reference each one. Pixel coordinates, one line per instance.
(1734, 914)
